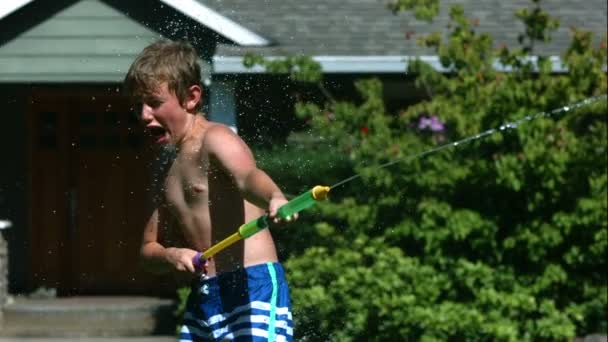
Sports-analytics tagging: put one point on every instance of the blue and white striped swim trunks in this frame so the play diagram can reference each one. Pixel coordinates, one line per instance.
(251, 304)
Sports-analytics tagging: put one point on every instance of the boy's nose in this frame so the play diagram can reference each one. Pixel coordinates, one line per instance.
(146, 114)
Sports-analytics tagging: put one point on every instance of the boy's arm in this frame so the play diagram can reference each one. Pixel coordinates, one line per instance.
(158, 259)
(236, 157)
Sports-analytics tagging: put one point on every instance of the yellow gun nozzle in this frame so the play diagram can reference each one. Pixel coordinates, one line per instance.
(319, 192)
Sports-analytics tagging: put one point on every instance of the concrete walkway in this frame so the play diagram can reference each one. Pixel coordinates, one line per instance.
(93, 319)
(90, 339)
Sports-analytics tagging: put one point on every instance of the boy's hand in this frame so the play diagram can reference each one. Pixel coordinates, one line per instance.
(273, 208)
(182, 259)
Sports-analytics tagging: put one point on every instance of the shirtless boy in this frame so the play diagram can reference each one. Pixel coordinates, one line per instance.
(210, 188)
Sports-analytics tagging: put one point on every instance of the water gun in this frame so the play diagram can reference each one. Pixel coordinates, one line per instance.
(301, 202)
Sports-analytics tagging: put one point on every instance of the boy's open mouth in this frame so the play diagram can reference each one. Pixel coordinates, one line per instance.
(156, 132)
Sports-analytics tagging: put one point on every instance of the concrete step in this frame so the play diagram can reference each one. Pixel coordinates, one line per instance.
(79, 317)
(91, 339)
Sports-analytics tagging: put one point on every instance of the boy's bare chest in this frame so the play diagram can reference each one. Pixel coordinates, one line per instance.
(186, 184)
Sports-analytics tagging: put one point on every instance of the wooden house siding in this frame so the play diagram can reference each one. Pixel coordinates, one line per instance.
(88, 41)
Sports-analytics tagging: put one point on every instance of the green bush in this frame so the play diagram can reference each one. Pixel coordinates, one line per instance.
(298, 167)
(504, 239)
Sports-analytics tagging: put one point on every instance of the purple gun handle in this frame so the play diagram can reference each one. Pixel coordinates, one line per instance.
(198, 264)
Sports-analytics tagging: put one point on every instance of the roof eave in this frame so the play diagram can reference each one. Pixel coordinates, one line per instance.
(9, 6)
(359, 64)
(202, 14)
(218, 23)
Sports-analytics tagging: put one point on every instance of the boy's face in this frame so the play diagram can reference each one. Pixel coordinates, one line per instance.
(163, 116)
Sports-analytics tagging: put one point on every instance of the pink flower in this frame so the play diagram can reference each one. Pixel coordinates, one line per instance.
(431, 123)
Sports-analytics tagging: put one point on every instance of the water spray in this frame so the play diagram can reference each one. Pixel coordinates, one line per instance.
(319, 193)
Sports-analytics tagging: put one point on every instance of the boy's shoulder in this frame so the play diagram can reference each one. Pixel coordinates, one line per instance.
(216, 130)
(219, 135)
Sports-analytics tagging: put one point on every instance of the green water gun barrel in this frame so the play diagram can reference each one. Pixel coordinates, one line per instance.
(303, 201)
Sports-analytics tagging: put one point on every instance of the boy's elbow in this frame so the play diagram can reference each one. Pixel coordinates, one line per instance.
(148, 263)
(246, 182)
(145, 262)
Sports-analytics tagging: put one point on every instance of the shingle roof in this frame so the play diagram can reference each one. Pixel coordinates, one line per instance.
(368, 28)
(345, 36)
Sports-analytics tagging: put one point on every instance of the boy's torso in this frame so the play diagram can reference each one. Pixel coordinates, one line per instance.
(202, 202)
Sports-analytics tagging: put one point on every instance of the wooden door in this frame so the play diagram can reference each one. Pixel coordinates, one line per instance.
(48, 197)
(88, 180)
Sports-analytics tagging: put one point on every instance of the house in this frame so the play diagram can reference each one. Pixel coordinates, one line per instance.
(73, 173)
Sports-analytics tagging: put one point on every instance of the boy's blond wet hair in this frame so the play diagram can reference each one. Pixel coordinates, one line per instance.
(173, 62)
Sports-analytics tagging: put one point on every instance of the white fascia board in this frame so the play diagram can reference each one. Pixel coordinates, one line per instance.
(330, 64)
(358, 64)
(217, 22)
(9, 6)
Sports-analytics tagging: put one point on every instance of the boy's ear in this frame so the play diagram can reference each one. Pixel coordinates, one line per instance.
(194, 98)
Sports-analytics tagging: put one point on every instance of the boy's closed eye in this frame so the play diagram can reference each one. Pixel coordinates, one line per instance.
(152, 102)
